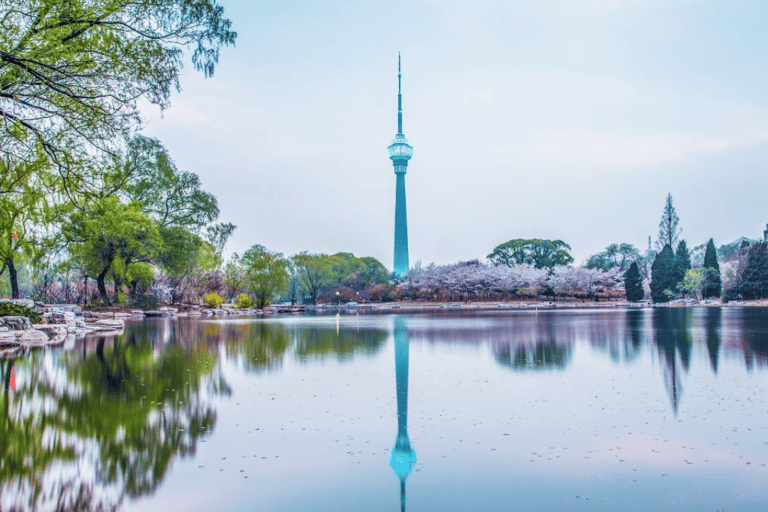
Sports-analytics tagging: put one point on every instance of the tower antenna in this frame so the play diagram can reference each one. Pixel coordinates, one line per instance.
(399, 97)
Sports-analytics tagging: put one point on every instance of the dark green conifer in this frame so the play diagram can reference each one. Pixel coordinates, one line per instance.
(662, 274)
(712, 288)
(633, 284)
(753, 278)
(682, 264)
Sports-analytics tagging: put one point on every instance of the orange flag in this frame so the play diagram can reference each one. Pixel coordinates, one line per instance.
(13, 379)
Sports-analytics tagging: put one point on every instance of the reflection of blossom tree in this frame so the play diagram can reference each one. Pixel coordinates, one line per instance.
(91, 429)
(538, 343)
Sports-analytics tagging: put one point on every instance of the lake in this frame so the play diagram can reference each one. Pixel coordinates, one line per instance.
(595, 410)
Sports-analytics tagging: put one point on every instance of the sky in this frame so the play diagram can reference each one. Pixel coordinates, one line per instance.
(555, 119)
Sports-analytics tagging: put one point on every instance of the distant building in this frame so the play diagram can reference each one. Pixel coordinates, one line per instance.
(765, 233)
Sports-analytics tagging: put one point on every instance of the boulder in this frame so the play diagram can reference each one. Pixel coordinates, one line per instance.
(15, 323)
(57, 316)
(32, 338)
(7, 336)
(108, 325)
(54, 331)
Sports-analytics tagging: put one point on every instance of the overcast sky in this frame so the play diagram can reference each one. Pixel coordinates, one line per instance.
(559, 119)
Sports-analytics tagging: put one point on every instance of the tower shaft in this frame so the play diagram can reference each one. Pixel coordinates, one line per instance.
(401, 229)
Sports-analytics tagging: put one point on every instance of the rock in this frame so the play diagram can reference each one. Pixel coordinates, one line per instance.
(137, 312)
(60, 317)
(7, 336)
(54, 331)
(169, 310)
(108, 325)
(10, 349)
(151, 313)
(32, 338)
(16, 323)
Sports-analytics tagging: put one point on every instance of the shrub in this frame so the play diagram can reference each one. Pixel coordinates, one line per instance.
(243, 301)
(146, 301)
(213, 300)
(9, 309)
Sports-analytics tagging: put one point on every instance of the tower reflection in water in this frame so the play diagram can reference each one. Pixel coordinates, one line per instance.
(403, 457)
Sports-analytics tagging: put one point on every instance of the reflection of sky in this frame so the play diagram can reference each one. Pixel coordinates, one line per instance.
(316, 435)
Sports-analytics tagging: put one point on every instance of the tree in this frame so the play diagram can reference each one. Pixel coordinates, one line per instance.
(662, 275)
(753, 276)
(615, 255)
(633, 284)
(233, 277)
(313, 272)
(110, 237)
(713, 285)
(669, 231)
(695, 280)
(265, 273)
(71, 73)
(682, 262)
(536, 252)
(173, 198)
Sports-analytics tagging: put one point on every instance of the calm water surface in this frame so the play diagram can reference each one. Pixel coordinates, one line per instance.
(591, 410)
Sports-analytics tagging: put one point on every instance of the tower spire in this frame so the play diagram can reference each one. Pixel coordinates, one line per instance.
(399, 98)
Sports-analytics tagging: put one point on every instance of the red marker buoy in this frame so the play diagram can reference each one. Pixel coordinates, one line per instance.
(13, 379)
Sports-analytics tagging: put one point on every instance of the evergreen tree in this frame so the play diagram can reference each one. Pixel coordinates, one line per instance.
(712, 288)
(682, 263)
(753, 278)
(633, 284)
(662, 274)
(669, 231)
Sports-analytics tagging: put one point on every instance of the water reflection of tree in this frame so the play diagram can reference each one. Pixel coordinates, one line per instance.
(751, 337)
(713, 318)
(313, 342)
(671, 329)
(261, 345)
(84, 430)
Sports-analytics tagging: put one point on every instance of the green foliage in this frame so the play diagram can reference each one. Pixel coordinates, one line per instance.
(213, 300)
(141, 274)
(714, 284)
(633, 284)
(615, 255)
(24, 208)
(662, 275)
(243, 301)
(146, 301)
(696, 280)
(753, 274)
(265, 273)
(536, 252)
(72, 71)
(112, 233)
(682, 263)
(233, 276)
(8, 309)
(322, 275)
(171, 197)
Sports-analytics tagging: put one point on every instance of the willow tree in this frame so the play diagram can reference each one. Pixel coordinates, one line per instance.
(72, 73)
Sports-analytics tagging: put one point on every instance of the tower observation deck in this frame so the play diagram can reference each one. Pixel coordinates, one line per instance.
(400, 152)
